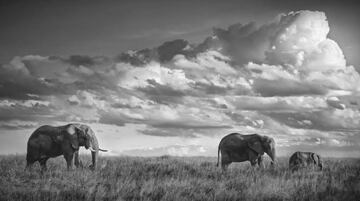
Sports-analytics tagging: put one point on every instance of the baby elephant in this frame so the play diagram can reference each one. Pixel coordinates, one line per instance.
(304, 159)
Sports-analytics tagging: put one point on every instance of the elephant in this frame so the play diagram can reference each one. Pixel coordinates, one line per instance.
(237, 147)
(52, 141)
(304, 159)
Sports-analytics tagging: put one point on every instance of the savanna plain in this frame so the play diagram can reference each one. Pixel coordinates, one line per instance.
(177, 178)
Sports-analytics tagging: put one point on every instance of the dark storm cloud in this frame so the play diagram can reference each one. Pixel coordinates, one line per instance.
(34, 76)
(168, 50)
(78, 60)
(163, 53)
(245, 42)
(17, 83)
(249, 42)
(284, 87)
(137, 58)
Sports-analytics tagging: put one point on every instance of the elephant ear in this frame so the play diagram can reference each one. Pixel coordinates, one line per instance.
(314, 158)
(58, 139)
(256, 146)
(72, 131)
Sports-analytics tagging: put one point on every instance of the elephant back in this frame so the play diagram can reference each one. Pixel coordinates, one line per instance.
(45, 130)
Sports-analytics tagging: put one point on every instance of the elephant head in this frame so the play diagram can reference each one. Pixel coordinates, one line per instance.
(264, 144)
(77, 137)
(317, 160)
(86, 137)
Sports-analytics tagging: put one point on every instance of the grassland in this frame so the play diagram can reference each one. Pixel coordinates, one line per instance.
(175, 178)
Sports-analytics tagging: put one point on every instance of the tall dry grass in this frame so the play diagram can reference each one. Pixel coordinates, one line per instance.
(176, 178)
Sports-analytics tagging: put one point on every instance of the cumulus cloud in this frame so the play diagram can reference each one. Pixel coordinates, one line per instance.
(294, 48)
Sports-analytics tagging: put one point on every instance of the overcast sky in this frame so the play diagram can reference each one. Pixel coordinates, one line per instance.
(174, 77)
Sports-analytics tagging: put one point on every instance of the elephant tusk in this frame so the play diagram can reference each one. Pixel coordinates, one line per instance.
(103, 150)
(91, 149)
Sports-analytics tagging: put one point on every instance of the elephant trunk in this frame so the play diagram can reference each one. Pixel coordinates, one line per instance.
(94, 147)
(272, 155)
(320, 162)
(320, 166)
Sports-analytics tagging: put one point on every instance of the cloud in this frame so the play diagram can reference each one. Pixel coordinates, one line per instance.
(154, 72)
(278, 104)
(287, 88)
(163, 53)
(162, 93)
(17, 124)
(169, 49)
(326, 120)
(80, 60)
(243, 42)
(168, 132)
(335, 102)
(175, 150)
(30, 110)
(17, 82)
(87, 99)
(292, 47)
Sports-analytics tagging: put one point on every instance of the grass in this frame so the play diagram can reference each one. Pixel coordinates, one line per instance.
(176, 178)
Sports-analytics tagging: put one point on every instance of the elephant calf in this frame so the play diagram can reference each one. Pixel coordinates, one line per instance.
(50, 141)
(304, 159)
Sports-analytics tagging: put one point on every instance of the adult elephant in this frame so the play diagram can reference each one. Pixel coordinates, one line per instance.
(301, 159)
(50, 141)
(236, 147)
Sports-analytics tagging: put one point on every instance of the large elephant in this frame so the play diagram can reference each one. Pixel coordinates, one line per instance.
(236, 147)
(304, 159)
(50, 141)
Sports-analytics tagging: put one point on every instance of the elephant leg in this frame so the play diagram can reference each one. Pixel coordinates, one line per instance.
(29, 164)
(225, 160)
(32, 155)
(294, 167)
(93, 157)
(43, 164)
(77, 161)
(260, 162)
(253, 163)
(225, 165)
(69, 159)
(253, 158)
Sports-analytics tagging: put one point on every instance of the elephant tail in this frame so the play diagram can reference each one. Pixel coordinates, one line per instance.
(217, 164)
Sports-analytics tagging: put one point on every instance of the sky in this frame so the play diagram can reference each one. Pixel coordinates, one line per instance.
(174, 77)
